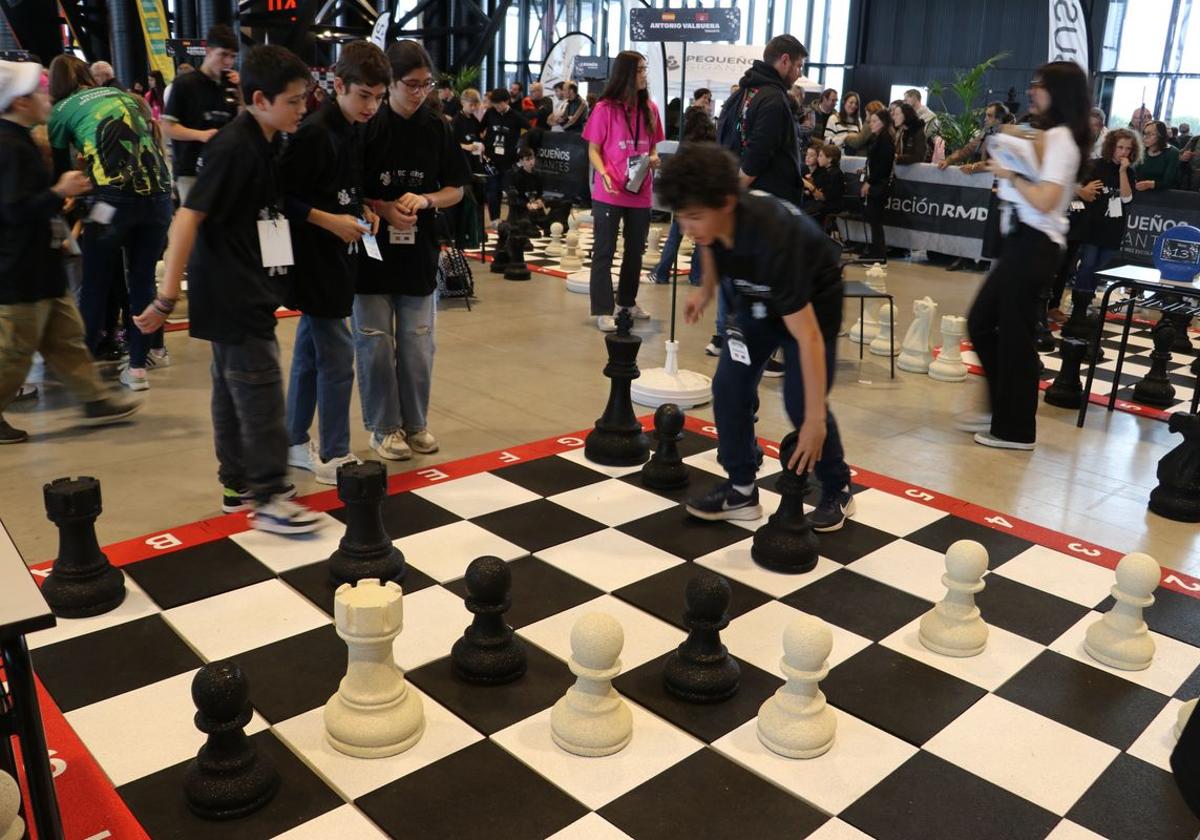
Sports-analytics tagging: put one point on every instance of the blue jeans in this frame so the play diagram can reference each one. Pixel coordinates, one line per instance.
(136, 234)
(248, 416)
(322, 380)
(393, 349)
(662, 271)
(735, 392)
(1092, 258)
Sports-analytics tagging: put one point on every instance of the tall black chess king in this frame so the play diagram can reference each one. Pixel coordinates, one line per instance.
(618, 440)
(786, 543)
(365, 550)
(82, 582)
(1177, 495)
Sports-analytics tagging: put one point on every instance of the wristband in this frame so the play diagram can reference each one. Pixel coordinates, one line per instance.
(428, 202)
(164, 305)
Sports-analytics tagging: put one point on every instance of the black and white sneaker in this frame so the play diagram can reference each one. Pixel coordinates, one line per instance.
(714, 346)
(281, 516)
(109, 410)
(10, 435)
(773, 368)
(235, 500)
(724, 502)
(832, 511)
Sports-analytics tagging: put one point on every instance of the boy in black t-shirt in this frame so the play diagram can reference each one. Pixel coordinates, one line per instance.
(201, 103)
(323, 175)
(781, 279)
(502, 127)
(525, 191)
(236, 244)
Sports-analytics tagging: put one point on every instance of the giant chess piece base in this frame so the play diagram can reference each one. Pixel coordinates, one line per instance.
(365, 551)
(82, 582)
(669, 384)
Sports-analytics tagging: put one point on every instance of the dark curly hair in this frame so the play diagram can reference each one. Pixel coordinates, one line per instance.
(698, 175)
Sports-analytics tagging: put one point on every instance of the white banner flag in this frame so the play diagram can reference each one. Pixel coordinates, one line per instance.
(1068, 32)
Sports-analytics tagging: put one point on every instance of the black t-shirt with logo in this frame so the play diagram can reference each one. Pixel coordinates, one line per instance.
(417, 154)
(781, 258)
(468, 130)
(196, 102)
(322, 168)
(230, 294)
(501, 132)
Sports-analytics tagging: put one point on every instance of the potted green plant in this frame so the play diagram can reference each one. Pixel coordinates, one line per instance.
(956, 130)
(463, 79)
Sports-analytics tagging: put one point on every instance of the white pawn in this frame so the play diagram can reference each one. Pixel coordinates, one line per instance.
(865, 328)
(796, 722)
(373, 714)
(916, 351)
(687, 246)
(12, 827)
(1121, 638)
(884, 343)
(653, 252)
(570, 261)
(572, 222)
(1185, 714)
(954, 626)
(948, 366)
(554, 248)
(591, 719)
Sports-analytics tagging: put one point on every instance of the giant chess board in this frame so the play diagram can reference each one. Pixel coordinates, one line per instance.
(538, 260)
(1030, 739)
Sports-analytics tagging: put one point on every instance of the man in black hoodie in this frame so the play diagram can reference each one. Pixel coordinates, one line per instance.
(757, 123)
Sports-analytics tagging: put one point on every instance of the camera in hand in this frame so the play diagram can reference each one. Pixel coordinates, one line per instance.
(229, 89)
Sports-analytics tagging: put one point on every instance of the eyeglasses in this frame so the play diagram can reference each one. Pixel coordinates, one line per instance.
(417, 86)
(643, 69)
(1036, 83)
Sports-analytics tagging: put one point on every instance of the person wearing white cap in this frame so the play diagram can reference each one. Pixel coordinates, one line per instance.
(36, 312)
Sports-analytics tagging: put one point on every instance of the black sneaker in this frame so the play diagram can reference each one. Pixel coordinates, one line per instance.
(10, 435)
(723, 502)
(234, 500)
(108, 410)
(714, 346)
(26, 392)
(832, 512)
(773, 369)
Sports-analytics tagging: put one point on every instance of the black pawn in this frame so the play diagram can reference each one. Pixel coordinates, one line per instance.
(82, 582)
(500, 250)
(665, 469)
(1079, 325)
(1155, 387)
(701, 669)
(518, 242)
(1066, 391)
(365, 551)
(1177, 495)
(488, 653)
(1182, 322)
(618, 440)
(228, 778)
(786, 543)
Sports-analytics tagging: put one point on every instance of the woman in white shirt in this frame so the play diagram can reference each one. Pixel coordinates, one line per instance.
(846, 121)
(1001, 320)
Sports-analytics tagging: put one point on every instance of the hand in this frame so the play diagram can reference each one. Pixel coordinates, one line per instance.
(1125, 163)
(943, 163)
(818, 195)
(1090, 190)
(1142, 186)
(655, 162)
(71, 184)
(150, 320)
(410, 203)
(864, 190)
(808, 446)
(999, 171)
(693, 307)
(207, 134)
(345, 227)
(371, 219)
(477, 148)
(235, 78)
(1183, 156)
(607, 179)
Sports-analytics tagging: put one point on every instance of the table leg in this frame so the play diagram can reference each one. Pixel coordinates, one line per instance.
(1087, 388)
(28, 725)
(892, 335)
(1112, 395)
(862, 313)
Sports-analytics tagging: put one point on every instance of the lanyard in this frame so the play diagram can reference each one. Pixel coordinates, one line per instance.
(635, 135)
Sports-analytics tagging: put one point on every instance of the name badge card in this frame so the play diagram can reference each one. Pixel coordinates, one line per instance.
(275, 242)
(370, 243)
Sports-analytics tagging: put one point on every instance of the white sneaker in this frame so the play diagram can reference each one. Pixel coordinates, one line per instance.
(135, 379)
(606, 323)
(973, 421)
(280, 516)
(989, 439)
(649, 279)
(422, 442)
(391, 446)
(637, 312)
(325, 472)
(302, 455)
(158, 358)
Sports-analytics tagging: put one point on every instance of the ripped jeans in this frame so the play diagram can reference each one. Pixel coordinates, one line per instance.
(393, 353)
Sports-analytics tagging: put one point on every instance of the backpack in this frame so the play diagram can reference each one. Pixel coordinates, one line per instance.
(732, 133)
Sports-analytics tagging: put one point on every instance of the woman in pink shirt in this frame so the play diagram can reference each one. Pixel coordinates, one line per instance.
(622, 133)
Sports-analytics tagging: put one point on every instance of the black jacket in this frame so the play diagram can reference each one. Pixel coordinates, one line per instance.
(832, 184)
(881, 158)
(770, 150)
(912, 146)
(30, 255)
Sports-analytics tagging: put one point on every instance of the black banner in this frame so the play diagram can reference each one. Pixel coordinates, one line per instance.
(948, 209)
(685, 24)
(16, 55)
(186, 49)
(1149, 214)
(590, 68)
(562, 161)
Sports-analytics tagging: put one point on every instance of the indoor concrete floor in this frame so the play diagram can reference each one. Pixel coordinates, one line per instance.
(525, 364)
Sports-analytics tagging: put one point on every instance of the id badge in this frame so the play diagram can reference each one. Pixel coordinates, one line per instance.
(738, 351)
(498, 150)
(1115, 210)
(275, 242)
(636, 168)
(370, 243)
(1076, 205)
(102, 213)
(402, 237)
